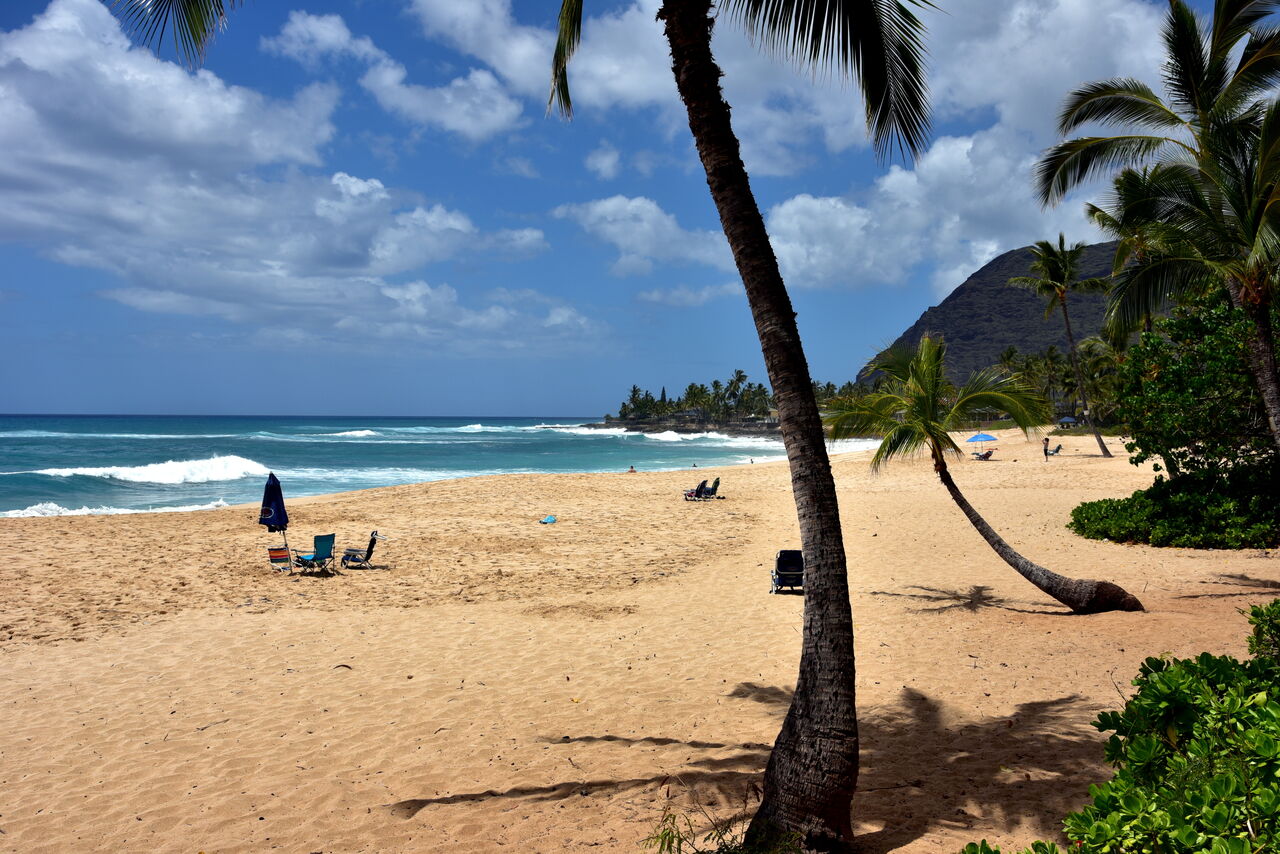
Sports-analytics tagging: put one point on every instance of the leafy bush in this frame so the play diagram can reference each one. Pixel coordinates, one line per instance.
(1265, 640)
(1197, 758)
(1202, 510)
(1188, 396)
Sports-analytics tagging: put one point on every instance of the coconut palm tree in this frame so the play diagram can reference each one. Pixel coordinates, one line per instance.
(1213, 142)
(813, 768)
(1056, 268)
(917, 409)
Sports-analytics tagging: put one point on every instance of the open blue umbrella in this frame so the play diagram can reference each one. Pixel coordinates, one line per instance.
(273, 514)
(981, 437)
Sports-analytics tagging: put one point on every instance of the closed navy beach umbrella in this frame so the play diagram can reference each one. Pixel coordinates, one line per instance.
(273, 514)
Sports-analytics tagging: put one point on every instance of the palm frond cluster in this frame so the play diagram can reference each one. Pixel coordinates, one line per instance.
(1193, 203)
(1050, 374)
(723, 401)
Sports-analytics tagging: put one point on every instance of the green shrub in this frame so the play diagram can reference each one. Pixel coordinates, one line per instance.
(1265, 640)
(1197, 758)
(1202, 510)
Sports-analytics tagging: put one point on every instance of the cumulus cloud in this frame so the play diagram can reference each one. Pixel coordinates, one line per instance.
(643, 233)
(201, 197)
(603, 161)
(967, 199)
(686, 297)
(475, 106)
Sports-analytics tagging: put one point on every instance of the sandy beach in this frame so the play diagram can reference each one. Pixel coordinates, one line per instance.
(510, 686)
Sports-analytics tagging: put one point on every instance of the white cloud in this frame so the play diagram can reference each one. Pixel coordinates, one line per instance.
(686, 297)
(967, 199)
(603, 161)
(475, 106)
(198, 196)
(643, 233)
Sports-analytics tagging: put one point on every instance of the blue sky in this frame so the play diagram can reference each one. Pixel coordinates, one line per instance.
(361, 207)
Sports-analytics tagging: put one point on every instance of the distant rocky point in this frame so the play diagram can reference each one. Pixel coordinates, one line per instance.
(985, 314)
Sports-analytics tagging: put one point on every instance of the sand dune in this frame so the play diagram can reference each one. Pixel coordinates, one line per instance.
(510, 686)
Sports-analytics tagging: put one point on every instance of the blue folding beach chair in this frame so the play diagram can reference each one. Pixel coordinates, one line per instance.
(321, 557)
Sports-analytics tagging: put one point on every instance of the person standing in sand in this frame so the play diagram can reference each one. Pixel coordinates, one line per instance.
(1045, 448)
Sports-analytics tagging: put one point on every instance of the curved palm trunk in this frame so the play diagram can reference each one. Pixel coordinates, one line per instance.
(812, 771)
(1083, 596)
(1261, 346)
(1075, 366)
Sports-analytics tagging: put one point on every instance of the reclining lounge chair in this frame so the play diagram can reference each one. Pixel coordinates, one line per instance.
(696, 493)
(1056, 450)
(788, 570)
(985, 456)
(360, 559)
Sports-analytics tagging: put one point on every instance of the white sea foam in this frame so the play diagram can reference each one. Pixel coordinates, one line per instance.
(172, 471)
(594, 431)
(353, 433)
(48, 508)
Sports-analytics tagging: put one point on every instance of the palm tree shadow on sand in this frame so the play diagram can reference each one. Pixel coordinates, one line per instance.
(977, 597)
(918, 774)
(1237, 579)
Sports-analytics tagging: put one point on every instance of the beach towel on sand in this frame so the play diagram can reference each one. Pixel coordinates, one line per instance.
(547, 521)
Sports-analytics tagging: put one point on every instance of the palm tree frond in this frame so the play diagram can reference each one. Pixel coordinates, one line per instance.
(568, 35)
(1074, 161)
(193, 23)
(1119, 101)
(879, 43)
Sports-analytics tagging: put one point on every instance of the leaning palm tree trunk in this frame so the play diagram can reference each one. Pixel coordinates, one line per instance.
(1075, 366)
(1083, 596)
(1261, 347)
(813, 768)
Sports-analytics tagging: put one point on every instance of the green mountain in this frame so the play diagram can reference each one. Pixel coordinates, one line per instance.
(986, 314)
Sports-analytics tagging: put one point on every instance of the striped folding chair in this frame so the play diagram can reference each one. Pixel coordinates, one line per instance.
(280, 558)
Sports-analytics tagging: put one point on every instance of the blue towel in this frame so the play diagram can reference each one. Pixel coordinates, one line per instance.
(550, 520)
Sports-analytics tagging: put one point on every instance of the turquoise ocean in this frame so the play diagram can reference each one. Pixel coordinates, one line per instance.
(74, 465)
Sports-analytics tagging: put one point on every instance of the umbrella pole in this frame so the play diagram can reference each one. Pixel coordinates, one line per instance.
(289, 550)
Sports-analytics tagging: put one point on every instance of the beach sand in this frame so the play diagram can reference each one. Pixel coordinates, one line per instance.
(510, 686)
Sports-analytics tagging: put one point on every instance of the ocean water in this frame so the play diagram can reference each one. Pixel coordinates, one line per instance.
(60, 465)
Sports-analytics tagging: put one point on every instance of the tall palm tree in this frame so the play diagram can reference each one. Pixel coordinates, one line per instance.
(813, 768)
(1214, 145)
(917, 409)
(1056, 269)
(812, 771)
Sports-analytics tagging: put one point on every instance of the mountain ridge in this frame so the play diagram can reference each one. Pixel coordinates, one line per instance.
(985, 314)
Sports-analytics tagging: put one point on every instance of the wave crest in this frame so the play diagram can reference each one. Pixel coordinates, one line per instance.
(170, 472)
(48, 508)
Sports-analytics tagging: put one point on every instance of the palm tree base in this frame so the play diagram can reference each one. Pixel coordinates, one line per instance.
(1107, 597)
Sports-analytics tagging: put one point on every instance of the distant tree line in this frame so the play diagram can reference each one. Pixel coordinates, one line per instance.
(720, 402)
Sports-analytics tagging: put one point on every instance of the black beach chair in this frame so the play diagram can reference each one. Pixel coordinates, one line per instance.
(713, 489)
(788, 570)
(355, 558)
(696, 493)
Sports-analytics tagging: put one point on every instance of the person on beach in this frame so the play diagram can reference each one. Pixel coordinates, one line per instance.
(632, 469)
(1045, 448)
